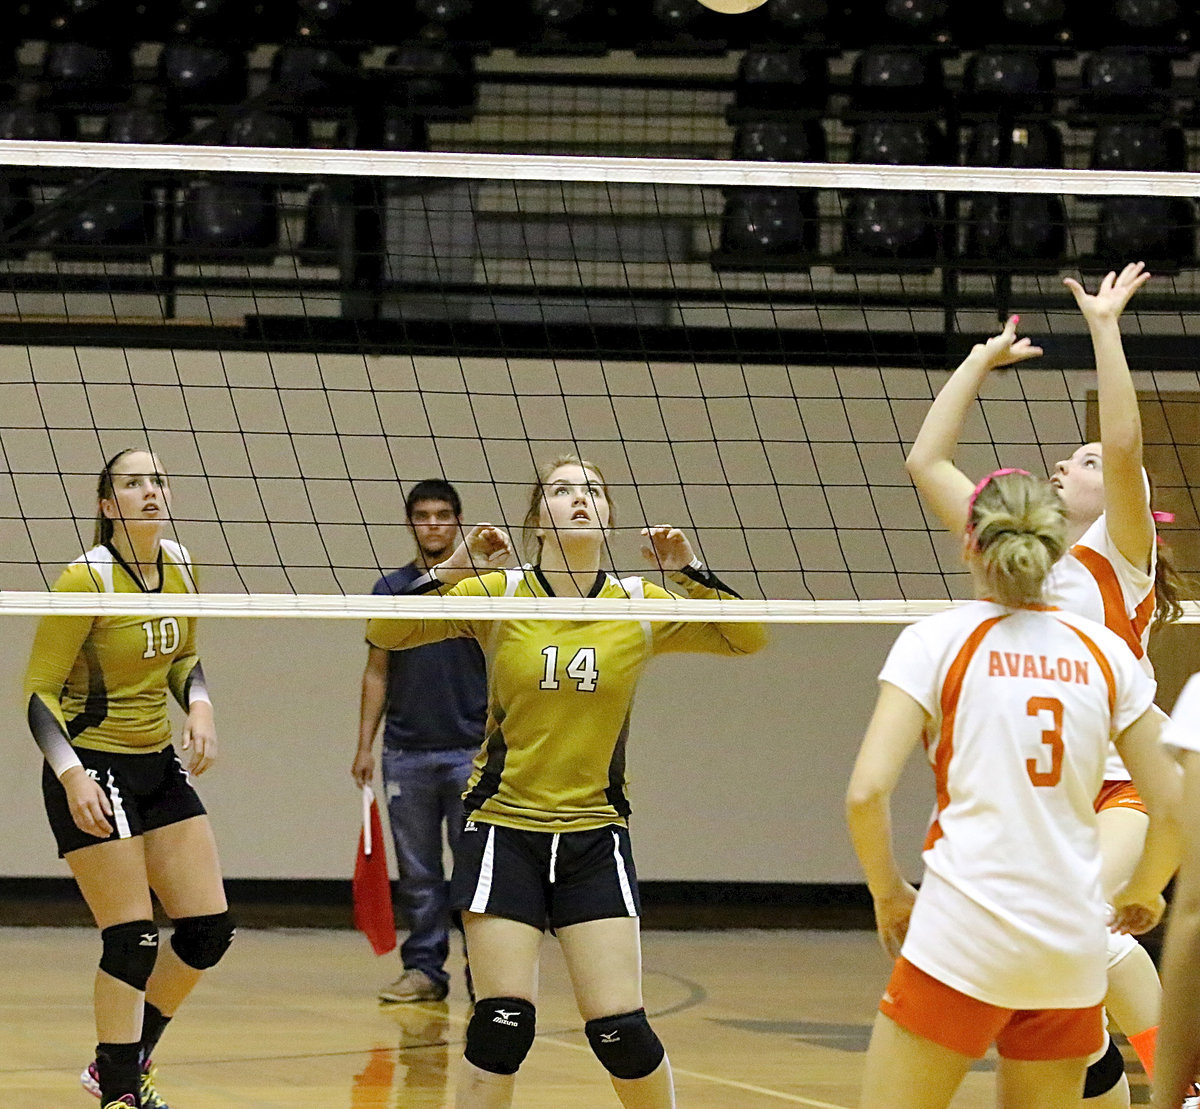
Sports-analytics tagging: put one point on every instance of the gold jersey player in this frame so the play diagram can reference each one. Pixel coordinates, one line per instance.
(121, 806)
(546, 840)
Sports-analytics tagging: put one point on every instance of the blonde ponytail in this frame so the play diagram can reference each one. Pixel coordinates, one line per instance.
(1018, 530)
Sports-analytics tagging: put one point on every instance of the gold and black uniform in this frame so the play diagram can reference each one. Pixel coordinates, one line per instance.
(560, 693)
(96, 693)
(559, 698)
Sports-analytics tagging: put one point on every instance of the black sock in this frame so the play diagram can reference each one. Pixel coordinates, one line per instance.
(119, 1072)
(153, 1026)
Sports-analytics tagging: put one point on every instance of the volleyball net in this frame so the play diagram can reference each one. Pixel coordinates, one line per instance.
(746, 349)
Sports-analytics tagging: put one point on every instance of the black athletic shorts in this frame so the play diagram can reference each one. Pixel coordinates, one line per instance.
(146, 792)
(545, 878)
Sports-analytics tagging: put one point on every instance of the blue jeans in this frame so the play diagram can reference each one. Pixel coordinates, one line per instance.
(424, 789)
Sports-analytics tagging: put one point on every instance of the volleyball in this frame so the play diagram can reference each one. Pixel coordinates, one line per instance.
(733, 7)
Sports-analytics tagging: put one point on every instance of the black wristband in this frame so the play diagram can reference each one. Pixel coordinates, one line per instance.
(705, 577)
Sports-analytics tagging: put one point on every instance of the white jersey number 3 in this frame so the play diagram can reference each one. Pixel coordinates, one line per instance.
(582, 668)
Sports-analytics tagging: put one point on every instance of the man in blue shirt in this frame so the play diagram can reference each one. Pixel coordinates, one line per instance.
(435, 702)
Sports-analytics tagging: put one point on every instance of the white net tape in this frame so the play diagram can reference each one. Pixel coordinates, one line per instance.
(649, 171)
(296, 606)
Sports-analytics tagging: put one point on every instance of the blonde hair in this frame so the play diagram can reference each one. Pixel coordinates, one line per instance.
(1018, 529)
(531, 541)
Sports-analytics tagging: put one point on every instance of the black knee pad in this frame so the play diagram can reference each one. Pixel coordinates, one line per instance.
(1105, 1072)
(500, 1034)
(625, 1044)
(129, 951)
(200, 941)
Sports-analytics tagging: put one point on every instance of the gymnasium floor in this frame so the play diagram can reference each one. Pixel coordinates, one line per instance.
(751, 1020)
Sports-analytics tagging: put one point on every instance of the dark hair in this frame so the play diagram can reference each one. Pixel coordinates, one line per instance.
(104, 492)
(1170, 587)
(432, 489)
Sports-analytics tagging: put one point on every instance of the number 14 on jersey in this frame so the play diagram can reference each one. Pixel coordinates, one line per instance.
(582, 668)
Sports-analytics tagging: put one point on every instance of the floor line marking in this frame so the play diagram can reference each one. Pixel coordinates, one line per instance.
(795, 1099)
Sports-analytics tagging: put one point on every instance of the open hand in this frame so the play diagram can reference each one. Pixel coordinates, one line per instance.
(667, 547)
(1006, 349)
(1108, 302)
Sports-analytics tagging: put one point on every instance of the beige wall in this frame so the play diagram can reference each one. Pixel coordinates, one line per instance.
(738, 765)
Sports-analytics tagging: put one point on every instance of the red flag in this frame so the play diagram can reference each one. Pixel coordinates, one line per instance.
(373, 914)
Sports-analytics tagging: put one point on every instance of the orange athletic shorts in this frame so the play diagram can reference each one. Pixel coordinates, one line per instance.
(928, 1008)
(1117, 794)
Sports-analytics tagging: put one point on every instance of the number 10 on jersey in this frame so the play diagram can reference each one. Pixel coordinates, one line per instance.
(167, 639)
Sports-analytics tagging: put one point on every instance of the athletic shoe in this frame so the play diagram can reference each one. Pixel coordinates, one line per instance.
(413, 985)
(1192, 1100)
(90, 1079)
(151, 1098)
(125, 1101)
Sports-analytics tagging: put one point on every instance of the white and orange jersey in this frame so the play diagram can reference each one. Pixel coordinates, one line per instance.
(1022, 705)
(1182, 730)
(1094, 579)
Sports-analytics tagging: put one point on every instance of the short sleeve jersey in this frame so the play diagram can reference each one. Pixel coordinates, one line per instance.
(1094, 579)
(436, 694)
(104, 680)
(560, 695)
(1022, 705)
(1183, 728)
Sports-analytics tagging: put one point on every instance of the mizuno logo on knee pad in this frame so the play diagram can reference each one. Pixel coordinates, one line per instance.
(500, 1034)
(149, 939)
(626, 1044)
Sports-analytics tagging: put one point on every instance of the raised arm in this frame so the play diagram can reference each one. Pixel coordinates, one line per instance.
(485, 547)
(670, 551)
(941, 485)
(895, 727)
(1126, 504)
(401, 634)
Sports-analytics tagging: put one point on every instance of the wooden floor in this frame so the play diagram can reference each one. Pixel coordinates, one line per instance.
(751, 1020)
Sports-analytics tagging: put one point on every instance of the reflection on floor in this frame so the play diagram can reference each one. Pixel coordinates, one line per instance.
(289, 1019)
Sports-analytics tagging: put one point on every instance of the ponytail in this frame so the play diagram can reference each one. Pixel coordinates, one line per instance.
(1019, 531)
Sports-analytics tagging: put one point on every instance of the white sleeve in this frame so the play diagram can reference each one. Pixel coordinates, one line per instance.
(911, 667)
(1182, 729)
(1134, 581)
(1136, 692)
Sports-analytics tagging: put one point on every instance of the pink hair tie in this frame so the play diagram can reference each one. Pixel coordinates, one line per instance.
(1162, 518)
(979, 489)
